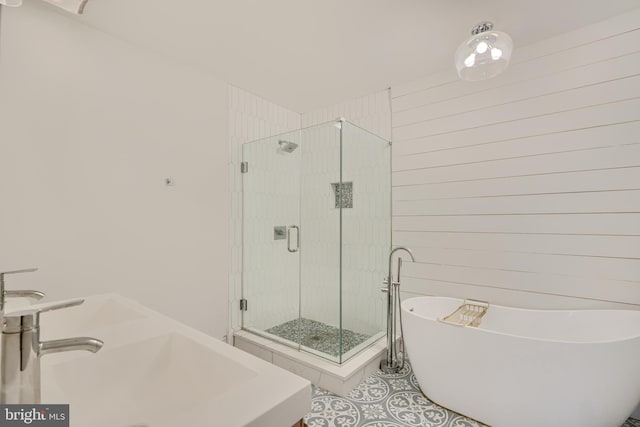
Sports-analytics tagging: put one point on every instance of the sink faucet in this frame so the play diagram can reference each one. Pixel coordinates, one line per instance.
(21, 350)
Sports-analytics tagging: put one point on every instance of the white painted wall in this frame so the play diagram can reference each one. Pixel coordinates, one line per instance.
(90, 127)
(523, 189)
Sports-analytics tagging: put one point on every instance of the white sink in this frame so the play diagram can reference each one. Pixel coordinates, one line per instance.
(156, 372)
(151, 382)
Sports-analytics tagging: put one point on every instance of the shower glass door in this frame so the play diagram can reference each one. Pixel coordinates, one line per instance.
(271, 211)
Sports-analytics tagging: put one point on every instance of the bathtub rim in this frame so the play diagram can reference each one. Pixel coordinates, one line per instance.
(525, 337)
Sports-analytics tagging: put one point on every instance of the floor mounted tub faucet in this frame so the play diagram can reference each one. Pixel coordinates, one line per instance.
(391, 363)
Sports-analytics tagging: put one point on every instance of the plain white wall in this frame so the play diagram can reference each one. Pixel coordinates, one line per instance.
(90, 127)
(523, 189)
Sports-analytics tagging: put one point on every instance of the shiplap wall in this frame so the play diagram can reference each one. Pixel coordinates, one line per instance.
(525, 189)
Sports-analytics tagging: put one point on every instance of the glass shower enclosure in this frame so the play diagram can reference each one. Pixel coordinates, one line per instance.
(316, 236)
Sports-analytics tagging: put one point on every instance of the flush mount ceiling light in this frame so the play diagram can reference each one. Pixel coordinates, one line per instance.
(486, 54)
(73, 6)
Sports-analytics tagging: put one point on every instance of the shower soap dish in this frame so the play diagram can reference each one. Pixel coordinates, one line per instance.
(470, 313)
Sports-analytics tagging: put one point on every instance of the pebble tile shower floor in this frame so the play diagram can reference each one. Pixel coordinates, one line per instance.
(318, 336)
(387, 400)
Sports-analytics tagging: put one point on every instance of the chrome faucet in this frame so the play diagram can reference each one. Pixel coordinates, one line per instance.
(391, 363)
(21, 350)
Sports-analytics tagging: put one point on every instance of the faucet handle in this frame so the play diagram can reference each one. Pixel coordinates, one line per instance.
(59, 305)
(29, 318)
(26, 293)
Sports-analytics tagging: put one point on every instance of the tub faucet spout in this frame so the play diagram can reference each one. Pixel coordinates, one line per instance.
(398, 249)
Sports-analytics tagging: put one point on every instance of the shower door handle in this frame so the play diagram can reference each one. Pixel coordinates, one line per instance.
(297, 248)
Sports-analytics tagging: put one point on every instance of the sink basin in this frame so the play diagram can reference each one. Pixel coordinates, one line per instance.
(156, 372)
(148, 383)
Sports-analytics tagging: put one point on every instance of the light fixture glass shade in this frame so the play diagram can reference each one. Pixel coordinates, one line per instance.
(11, 3)
(73, 6)
(484, 55)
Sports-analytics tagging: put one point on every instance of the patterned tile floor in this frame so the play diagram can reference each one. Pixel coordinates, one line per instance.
(387, 400)
(318, 336)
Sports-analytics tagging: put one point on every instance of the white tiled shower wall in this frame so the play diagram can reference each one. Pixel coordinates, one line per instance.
(366, 237)
(320, 226)
(366, 241)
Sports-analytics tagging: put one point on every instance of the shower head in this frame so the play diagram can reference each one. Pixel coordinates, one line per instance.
(287, 146)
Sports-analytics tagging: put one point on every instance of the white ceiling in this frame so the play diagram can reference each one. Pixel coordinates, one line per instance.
(305, 54)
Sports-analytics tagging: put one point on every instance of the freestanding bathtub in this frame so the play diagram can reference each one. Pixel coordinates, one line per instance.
(538, 368)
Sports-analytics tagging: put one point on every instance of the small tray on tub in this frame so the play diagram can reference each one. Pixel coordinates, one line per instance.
(470, 313)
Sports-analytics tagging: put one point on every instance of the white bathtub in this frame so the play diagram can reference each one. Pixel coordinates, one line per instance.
(564, 368)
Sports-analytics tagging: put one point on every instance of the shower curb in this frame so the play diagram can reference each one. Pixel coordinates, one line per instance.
(339, 379)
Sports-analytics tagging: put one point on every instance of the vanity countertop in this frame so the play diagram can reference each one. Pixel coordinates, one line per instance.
(154, 371)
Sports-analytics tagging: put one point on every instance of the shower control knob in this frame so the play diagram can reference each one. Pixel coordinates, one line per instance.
(385, 281)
